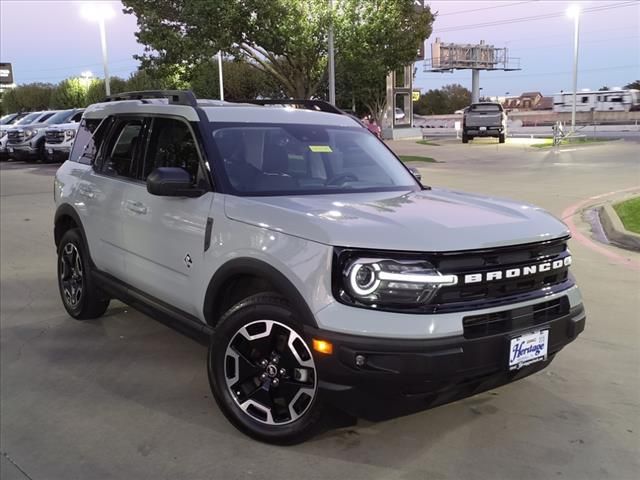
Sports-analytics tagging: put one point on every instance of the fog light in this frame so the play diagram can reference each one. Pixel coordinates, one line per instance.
(360, 360)
(322, 346)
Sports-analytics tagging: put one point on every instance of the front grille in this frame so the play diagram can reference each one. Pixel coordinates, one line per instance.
(500, 259)
(54, 136)
(476, 326)
(15, 136)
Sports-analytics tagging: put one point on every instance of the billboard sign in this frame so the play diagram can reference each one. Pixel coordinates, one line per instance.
(6, 74)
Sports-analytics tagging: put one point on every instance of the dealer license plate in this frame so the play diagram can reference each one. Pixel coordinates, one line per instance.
(50, 151)
(528, 348)
(483, 129)
(10, 149)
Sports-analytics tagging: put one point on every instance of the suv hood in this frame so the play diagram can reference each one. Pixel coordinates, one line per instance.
(64, 126)
(427, 221)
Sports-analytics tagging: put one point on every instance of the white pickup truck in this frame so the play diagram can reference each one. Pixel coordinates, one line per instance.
(484, 119)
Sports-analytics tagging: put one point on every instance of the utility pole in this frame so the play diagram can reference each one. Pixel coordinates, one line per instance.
(220, 81)
(332, 66)
(574, 12)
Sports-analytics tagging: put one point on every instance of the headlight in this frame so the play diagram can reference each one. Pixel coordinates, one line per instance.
(2, 133)
(388, 282)
(30, 133)
(69, 134)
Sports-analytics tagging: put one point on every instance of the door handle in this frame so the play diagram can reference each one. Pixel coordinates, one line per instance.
(136, 207)
(86, 191)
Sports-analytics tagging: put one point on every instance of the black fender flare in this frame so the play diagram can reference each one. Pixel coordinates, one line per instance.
(66, 210)
(258, 268)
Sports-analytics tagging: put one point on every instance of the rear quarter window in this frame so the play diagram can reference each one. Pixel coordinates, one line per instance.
(87, 142)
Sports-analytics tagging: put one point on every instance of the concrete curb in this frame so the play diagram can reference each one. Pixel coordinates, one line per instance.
(615, 231)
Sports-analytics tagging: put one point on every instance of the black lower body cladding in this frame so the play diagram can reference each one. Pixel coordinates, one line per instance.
(378, 379)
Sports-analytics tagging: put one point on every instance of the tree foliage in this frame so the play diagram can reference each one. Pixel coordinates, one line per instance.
(33, 96)
(373, 38)
(69, 93)
(442, 101)
(634, 85)
(285, 39)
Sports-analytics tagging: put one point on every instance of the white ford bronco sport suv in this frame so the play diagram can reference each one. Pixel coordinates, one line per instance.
(323, 272)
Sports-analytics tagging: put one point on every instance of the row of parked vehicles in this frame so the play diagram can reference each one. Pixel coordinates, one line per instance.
(45, 136)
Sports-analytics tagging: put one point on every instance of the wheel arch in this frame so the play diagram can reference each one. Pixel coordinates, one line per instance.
(65, 219)
(243, 277)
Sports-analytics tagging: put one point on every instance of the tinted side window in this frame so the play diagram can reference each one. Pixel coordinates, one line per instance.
(76, 118)
(123, 150)
(171, 144)
(87, 141)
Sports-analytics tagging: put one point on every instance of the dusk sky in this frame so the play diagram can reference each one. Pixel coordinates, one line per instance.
(54, 42)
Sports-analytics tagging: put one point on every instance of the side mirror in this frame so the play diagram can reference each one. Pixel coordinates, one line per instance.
(172, 182)
(416, 173)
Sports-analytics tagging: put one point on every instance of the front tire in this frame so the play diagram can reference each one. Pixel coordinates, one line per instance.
(465, 138)
(262, 372)
(81, 298)
(501, 138)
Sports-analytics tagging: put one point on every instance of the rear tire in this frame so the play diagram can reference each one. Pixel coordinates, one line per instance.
(81, 298)
(501, 138)
(262, 372)
(465, 138)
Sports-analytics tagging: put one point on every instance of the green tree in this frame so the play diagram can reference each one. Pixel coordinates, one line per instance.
(241, 81)
(29, 97)
(442, 101)
(96, 91)
(373, 38)
(286, 39)
(69, 93)
(604, 88)
(634, 85)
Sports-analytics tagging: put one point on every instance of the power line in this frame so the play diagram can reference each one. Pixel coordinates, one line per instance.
(542, 74)
(483, 9)
(534, 17)
(607, 40)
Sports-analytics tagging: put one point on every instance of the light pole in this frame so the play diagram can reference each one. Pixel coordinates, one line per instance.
(332, 65)
(220, 77)
(99, 12)
(574, 12)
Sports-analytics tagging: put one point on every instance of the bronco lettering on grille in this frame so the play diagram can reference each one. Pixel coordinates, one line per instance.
(517, 272)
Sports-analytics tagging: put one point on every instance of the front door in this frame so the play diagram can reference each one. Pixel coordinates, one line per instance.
(165, 236)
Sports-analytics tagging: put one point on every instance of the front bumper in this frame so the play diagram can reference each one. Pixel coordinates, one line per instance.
(56, 153)
(23, 152)
(400, 376)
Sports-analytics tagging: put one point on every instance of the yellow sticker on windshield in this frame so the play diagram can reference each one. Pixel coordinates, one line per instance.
(320, 148)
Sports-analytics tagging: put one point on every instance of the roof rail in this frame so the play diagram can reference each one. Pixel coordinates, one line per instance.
(175, 97)
(318, 105)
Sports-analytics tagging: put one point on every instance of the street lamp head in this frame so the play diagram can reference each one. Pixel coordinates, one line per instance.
(97, 11)
(573, 11)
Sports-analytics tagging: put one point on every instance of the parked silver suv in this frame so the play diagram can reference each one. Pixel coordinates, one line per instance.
(322, 271)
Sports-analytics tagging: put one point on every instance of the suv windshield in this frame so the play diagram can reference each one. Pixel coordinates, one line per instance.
(60, 117)
(28, 119)
(293, 159)
(7, 119)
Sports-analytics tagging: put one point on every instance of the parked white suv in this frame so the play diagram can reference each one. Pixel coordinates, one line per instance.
(59, 138)
(323, 272)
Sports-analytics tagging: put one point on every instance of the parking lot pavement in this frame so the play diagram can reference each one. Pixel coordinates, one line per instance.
(126, 397)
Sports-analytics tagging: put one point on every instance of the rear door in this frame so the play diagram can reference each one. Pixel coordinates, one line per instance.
(165, 236)
(116, 168)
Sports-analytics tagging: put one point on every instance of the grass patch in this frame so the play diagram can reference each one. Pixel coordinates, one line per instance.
(548, 142)
(417, 158)
(629, 213)
(427, 142)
